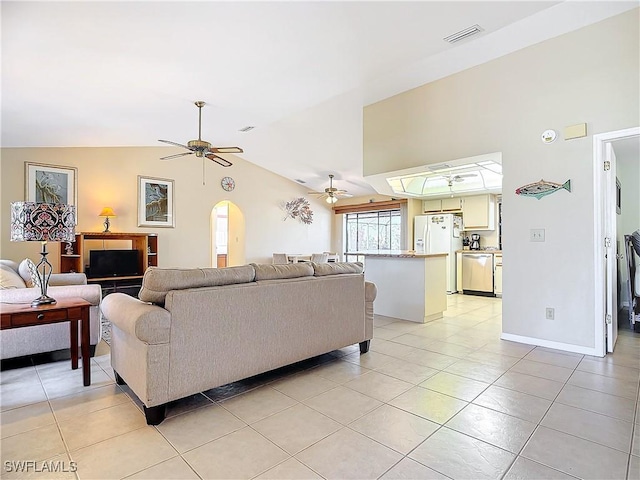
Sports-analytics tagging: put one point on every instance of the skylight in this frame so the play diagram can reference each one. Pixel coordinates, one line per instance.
(464, 176)
(469, 177)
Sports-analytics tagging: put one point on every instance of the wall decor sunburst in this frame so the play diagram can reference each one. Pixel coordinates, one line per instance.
(299, 208)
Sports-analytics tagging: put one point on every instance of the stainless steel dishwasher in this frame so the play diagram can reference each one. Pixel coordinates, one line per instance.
(477, 273)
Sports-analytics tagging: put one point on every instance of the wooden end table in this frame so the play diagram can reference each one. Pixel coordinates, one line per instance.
(72, 310)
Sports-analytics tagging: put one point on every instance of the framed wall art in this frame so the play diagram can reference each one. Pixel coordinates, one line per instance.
(155, 202)
(50, 184)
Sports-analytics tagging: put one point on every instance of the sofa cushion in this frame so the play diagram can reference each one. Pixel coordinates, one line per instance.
(337, 268)
(10, 263)
(10, 279)
(276, 272)
(157, 282)
(29, 273)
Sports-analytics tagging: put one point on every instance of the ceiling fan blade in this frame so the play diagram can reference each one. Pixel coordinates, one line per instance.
(343, 194)
(169, 157)
(340, 192)
(226, 150)
(174, 143)
(219, 160)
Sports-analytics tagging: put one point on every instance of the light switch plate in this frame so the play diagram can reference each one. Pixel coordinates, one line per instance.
(536, 235)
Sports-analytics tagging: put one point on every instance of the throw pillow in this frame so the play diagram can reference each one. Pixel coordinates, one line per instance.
(9, 278)
(29, 273)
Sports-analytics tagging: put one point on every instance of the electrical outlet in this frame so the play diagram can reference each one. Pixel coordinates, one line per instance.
(549, 313)
(536, 235)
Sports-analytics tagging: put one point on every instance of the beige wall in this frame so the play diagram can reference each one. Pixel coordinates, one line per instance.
(588, 76)
(108, 177)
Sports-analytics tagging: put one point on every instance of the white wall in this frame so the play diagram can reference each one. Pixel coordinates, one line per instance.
(587, 76)
(108, 177)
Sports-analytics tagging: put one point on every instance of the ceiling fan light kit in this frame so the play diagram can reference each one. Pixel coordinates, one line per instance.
(331, 194)
(201, 147)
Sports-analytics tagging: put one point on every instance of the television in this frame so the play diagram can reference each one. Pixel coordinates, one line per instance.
(113, 263)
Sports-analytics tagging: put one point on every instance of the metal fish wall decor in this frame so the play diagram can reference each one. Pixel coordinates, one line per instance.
(542, 188)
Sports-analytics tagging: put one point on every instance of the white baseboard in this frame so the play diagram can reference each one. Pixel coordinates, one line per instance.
(550, 344)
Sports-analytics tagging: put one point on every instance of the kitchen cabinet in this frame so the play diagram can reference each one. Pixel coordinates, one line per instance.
(478, 212)
(497, 275)
(430, 206)
(453, 204)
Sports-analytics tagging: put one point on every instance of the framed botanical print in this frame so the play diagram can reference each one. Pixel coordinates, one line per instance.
(51, 184)
(155, 202)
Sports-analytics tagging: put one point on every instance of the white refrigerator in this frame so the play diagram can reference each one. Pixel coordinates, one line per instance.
(440, 233)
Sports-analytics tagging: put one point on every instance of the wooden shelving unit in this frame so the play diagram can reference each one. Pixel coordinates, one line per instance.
(145, 243)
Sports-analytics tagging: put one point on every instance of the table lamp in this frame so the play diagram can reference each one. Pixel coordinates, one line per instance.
(107, 212)
(43, 222)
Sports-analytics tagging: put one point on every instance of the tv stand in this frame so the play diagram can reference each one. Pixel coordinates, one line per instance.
(145, 243)
(129, 285)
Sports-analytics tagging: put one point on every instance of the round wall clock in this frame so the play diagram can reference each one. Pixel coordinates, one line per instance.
(228, 184)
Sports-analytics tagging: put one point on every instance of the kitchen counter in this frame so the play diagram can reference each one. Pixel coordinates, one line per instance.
(498, 252)
(397, 254)
(411, 286)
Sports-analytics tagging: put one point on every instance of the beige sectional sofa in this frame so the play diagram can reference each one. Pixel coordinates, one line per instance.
(203, 328)
(18, 342)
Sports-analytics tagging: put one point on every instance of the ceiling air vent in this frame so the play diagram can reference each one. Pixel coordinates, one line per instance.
(464, 34)
(300, 181)
(246, 129)
(435, 168)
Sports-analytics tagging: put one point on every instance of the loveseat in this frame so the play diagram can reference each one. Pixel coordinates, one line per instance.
(196, 329)
(15, 287)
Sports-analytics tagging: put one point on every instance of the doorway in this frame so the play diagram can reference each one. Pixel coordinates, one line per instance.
(606, 232)
(227, 235)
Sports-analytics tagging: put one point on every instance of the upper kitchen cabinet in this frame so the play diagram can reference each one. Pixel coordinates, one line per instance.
(444, 205)
(478, 212)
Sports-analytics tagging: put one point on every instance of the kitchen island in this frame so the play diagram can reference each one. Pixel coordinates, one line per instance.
(411, 286)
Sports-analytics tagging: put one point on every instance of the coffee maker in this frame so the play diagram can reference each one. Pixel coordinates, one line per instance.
(475, 242)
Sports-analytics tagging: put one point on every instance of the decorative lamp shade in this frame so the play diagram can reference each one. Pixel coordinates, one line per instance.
(41, 222)
(332, 199)
(107, 212)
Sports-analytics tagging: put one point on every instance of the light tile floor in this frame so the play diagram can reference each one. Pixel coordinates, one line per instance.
(443, 400)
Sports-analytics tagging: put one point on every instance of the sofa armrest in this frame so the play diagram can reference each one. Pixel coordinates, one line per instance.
(91, 293)
(149, 323)
(67, 279)
(370, 293)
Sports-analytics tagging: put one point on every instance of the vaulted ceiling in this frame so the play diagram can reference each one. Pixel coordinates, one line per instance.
(105, 74)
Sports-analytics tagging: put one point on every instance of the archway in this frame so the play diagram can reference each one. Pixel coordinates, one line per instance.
(227, 235)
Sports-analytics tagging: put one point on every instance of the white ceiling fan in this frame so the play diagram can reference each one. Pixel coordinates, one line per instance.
(202, 148)
(331, 194)
(451, 179)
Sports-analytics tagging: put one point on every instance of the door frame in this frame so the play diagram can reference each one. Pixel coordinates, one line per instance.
(604, 223)
(236, 230)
